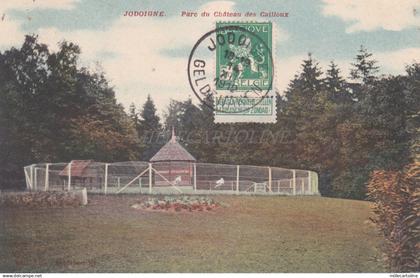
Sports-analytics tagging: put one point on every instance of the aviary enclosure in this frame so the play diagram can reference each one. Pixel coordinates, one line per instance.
(169, 178)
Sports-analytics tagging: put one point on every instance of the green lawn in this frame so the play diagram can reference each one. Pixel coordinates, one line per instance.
(249, 234)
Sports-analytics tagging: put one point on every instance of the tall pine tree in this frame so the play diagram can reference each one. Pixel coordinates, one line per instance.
(150, 129)
(364, 68)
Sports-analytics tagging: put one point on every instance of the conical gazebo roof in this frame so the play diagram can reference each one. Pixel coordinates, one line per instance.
(172, 151)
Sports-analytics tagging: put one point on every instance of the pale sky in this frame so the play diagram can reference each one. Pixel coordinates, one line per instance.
(149, 55)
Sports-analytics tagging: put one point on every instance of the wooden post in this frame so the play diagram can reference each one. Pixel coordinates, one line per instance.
(47, 176)
(294, 182)
(84, 196)
(69, 175)
(140, 183)
(35, 178)
(303, 186)
(31, 173)
(237, 179)
(150, 178)
(269, 179)
(195, 177)
(106, 178)
(309, 182)
(25, 170)
(118, 182)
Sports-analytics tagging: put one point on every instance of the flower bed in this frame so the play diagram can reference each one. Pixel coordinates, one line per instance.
(178, 204)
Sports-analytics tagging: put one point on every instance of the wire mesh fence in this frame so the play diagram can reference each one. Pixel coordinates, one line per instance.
(169, 178)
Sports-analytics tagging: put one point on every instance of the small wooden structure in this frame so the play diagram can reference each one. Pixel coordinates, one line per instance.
(83, 173)
(173, 163)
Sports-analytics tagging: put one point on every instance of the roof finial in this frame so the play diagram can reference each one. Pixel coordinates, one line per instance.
(173, 138)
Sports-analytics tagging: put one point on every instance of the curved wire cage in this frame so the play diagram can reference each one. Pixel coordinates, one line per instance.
(169, 178)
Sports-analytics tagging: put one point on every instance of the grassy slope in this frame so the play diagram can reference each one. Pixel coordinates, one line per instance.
(252, 234)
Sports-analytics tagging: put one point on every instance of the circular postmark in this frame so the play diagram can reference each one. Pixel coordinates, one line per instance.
(230, 68)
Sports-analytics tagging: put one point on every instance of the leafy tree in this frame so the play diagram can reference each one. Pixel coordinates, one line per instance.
(412, 96)
(374, 137)
(201, 139)
(384, 111)
(104, 140)
(46, 104)
(173, 114)
(184, 117)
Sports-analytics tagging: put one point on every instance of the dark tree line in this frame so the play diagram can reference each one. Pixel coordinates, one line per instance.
(53, 110)
(341, 128)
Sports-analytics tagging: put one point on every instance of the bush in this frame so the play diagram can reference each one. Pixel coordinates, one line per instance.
(49, 199)
(396, 197)
(351, 184)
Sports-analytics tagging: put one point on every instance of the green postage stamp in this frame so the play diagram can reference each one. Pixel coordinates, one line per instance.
(244, 72)
(231, 70)
(244, 60)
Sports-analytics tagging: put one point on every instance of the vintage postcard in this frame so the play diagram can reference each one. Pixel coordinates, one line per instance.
(181, 136)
